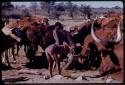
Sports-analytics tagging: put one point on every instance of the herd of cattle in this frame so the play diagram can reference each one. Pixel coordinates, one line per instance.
(95, 44)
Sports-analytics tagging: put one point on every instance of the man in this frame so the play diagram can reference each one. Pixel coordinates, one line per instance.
(61, 35)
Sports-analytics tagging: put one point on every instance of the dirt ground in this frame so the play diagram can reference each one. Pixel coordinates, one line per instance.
(21, 74)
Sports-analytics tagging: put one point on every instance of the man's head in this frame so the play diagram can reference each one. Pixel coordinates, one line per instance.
(58, 25)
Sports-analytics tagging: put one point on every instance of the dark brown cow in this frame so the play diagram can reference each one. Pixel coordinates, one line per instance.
(40, 34)
(79, 33)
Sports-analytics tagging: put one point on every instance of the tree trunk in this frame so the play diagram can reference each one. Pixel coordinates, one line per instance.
(88, 15)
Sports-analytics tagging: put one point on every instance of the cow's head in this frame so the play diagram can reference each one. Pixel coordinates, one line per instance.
(45, 21)
(115, 40)
(7, 29)
(24, 23)
(104, 21)
(40, 20)
(103, 39)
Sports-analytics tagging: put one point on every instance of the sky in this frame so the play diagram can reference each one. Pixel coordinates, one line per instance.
(95, 4)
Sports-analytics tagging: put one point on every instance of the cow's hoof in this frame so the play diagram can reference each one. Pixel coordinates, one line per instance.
(46, 77)
(9, 67)
(93, 68)
(14, 61)
(108, 80)
(111, 71)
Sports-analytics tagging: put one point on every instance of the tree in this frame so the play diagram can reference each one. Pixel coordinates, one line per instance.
(25, 12)
(60, 6)
(86, 10)
(23, 6)
(58, 10)
(47, 6)
(16, 7)
(116, 7)
(34, 6)
(56, 14)
(95, 13)
(71, 8)
(6, 8)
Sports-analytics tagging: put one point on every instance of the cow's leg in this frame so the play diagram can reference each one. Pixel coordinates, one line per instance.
(13, 56)
(35, 46)
(18, 46)
(107, 65)
(89, 61)
(103, 66)
(102, 62)
(33, 56)
(33, 50)
(58, 65)
(3, 57)
(93, 58)
(7, 58)
(30, 54)
(25, 48)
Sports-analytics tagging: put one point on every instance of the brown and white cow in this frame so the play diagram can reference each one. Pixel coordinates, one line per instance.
(108, 43)
(7, 37)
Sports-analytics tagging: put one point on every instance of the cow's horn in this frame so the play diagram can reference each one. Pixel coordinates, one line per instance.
(94, 35)
(119, 35)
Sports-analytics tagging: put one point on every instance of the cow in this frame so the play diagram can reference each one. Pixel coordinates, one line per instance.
(118, 51)
(78, 34)
(42, 35)
(7, 37)
(10, 51)
(25, 25)
(107, 39)
(20, 31)
(7, 52)
(55, 53)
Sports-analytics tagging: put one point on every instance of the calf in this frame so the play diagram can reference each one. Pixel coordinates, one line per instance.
(55, 53)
